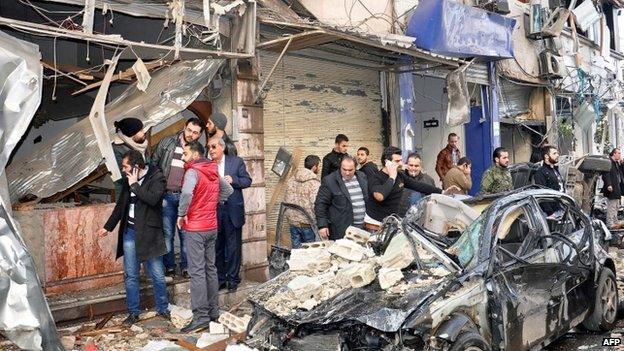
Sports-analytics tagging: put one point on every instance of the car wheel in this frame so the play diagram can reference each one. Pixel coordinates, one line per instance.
(470, 341)
(604, 315)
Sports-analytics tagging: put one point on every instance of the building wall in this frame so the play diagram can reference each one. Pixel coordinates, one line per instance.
(308, 102)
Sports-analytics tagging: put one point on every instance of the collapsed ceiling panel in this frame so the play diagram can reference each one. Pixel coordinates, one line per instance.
(74, 154)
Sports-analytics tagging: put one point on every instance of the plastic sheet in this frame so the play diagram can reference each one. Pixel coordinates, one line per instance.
(74, 154)
(448, 28)
(458, 107)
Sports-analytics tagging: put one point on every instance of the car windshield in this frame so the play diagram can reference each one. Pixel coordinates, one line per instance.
(466, 246)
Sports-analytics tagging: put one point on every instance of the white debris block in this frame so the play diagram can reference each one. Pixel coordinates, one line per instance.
(217, 328)
(303, 284)
(356, 275)
(207, 339)
(309, 259)
(135, 328)
(347, 249)
(357, 235)
(159, 345)
(398, 253)
(309, 304)
(235, 324)
(180, 316)
(388, 277)
(239, 347)
(325, 244)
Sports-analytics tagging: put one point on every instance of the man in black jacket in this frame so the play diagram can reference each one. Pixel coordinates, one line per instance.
(168, 156)
(341, 200)
(548, 175)
(140, 237)
(612, 189)
(331, 161)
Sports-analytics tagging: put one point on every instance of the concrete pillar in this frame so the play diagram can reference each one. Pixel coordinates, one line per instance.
(249, 126)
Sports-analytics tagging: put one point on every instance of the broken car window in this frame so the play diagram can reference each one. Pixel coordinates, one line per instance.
(466, 247)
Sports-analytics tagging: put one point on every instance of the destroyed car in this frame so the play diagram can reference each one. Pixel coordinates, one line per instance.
(489, 273)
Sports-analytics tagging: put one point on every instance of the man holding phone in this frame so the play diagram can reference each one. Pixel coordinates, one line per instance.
(140, 238)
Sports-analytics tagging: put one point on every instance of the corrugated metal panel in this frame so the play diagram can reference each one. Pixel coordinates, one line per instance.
(309, 101)
(475, 73)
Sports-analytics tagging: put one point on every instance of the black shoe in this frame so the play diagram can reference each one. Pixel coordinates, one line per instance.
(223, 286)
(132, 319)
(185, 273)
(195, 326)
(232, 287)
(165, 315)
(170, 272)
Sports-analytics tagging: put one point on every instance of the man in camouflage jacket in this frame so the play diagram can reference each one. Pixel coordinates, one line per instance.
(301, 190)
(497, 178)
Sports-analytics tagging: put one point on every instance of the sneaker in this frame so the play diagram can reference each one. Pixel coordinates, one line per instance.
(165, 315)
(196, 326)
(132, 319)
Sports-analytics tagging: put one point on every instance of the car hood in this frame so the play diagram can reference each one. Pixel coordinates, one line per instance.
(369, 305)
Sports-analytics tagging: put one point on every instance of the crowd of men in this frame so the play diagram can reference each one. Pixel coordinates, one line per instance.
(186, 186)
(194, 187)
(356, 192)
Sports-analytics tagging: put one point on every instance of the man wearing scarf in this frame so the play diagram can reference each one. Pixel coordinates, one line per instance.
(130, 136)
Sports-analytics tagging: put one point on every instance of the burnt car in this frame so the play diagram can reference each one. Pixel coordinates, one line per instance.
(489, 273)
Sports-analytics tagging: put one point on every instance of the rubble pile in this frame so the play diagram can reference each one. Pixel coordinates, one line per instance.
(321, 270)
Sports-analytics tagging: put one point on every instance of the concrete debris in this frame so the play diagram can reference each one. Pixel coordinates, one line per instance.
(217, 328)
(325, 244)
(309, 304)
(309, 259)
(160, 345)
(388, 277)
(439, 272)
(135, 328)
(142, 336)
(357, 235)
(398, 253)
(207, 339)
(356, 275)
(347, 249)
(68, 342)
(180, 316)
(239, 347)
(234, 323)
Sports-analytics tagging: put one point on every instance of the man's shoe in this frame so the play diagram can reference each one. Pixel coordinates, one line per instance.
(185, 273)
(232, 288)
(195, 326)
(223, 285)
(132, 319)
(170, 272)
(165, 315)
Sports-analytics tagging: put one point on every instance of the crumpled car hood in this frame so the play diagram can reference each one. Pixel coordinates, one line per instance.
(370, 305)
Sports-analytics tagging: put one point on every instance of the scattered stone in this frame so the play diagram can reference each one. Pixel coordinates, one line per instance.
(325, 244)
(347, 249)
(142, 336)
(398, 253)
(309, 304)
(357, 275)
(388, 277)
(357, 235)
(207, 339)
(149, 314)
(180, 316)
(135, 328)
(159, 345)
(239, 347)
(235, 324)
(312, 259)
(68, 342)
(217, 328)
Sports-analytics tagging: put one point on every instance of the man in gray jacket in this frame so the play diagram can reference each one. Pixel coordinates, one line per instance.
(168, 156)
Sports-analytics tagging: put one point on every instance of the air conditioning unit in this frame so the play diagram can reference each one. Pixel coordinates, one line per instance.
(551, 65)
(498, 6)
(543, 22)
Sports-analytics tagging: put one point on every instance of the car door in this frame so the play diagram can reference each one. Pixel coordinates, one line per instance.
(573, 225)
(524, 284)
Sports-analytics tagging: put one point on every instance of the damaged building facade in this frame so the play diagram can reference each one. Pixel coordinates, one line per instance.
(289, 75)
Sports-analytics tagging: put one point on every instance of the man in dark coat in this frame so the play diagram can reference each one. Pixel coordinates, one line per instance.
(231, 214)
(140, 239)
(341, 200)
(612, 188)
(331, 161)
(548, 175)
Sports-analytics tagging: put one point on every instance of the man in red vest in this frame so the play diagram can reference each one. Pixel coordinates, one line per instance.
(202, 190)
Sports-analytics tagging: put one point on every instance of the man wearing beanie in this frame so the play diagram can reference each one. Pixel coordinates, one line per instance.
(216, 129)
(130, 136)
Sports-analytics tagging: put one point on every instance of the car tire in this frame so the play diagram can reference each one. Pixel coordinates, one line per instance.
(605, 311)
(470, 341)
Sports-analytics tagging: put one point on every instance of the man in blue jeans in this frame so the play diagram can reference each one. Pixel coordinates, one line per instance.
(140, 237)
(168, 156)
(301, 190)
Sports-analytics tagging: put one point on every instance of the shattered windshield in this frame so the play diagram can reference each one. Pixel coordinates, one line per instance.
(468, 243)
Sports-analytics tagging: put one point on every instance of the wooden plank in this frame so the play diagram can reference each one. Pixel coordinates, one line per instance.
(98, 173)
